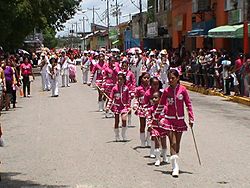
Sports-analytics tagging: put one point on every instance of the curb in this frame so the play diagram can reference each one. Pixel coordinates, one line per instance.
(237, 99)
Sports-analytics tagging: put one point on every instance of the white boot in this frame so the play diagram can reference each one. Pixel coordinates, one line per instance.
(100, 106)
(175, 165)
(129, 119)
(158, 157)
(117, 136)
(142, 137)
(148, 139)
(152, 149)
(124, 136)
(164, 156)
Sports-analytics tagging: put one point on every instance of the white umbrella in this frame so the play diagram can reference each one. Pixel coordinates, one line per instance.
(23, 51)
(115, 50)
(134, 50)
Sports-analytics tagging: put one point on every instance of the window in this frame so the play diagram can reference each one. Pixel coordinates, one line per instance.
(167, 4)
(157, 6)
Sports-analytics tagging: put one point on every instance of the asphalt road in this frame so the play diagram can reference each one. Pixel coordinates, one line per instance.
(65, 142)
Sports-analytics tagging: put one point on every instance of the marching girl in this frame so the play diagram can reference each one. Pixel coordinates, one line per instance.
(119, 103)
(54, 71)
(139, 103)
(174, 98)
(97, 69)
(110, 73)
(157, 132)
(155, 85)
(130, 82)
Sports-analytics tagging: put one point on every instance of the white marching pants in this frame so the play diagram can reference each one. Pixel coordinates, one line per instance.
(85, 74)
(65, 80)
(55, 87)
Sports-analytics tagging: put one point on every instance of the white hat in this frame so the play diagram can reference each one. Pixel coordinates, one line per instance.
(164, 52)
(151, 53)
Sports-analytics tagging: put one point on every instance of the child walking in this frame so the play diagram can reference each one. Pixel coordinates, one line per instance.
(119, 104)
(173, 98)
(158, 133)
(139, 104)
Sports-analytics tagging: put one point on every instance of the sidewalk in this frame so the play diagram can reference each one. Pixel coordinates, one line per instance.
(237, 99)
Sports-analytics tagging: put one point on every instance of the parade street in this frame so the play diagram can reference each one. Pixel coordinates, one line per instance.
(66, 142)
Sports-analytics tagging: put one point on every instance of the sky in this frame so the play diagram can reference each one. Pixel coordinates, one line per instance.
(126, 9)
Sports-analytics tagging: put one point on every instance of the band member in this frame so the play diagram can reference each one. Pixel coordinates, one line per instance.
(98, 70)
(55, 74)
(139, 104)
(173, 98)
(119, 103)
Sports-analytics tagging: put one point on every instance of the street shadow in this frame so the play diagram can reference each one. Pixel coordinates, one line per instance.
(153, 163)
(120, 141)
(170, 172)
(131, 126)
(8, 181)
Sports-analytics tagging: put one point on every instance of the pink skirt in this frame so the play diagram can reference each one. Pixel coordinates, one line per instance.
(99, 83)
(158, 131)
(119, 109)
(140, 112)
(173, 125)
(108, 88)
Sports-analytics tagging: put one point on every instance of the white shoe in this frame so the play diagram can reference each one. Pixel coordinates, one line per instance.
(148, 140)
(152, 150)
(158, 157)
(164, 156)
(117, 136)
(142, 138)
(175, 166)
(124, 136)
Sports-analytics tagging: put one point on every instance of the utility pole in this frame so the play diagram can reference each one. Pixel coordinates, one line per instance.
(141, 26)
(83, 31)
(93, 9)
(245, 9)
(116, 11)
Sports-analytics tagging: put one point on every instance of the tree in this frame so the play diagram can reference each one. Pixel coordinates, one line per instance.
(50, 40)
(18, 18)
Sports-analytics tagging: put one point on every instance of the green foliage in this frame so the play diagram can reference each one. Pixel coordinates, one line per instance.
(50, 40)
(18, 18)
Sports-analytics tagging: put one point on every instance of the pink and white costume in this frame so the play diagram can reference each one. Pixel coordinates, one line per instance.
(153, 122)
(130, 82)
(119, 102)
(139, 100)
(98, 68)
(109, 78)
(174, 99)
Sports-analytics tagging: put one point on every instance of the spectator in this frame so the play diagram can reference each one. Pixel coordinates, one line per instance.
(26, 74)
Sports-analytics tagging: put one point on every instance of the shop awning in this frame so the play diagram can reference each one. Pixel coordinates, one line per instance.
(227, 31)
(196, 33)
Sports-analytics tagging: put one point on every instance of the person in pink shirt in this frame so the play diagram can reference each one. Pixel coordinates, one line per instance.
(139, 104)
(98, 70)
(119, 103)
(155, 85)
(26, 72)
(158, 133)
(173, 98)
(130, 82)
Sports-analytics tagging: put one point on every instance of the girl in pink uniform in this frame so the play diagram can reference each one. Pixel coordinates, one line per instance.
(158, 133)
(155, 85)
(130, 82)
(110, 73)
(97, 69)
(119, 103)
(139, 103)
(174, 97)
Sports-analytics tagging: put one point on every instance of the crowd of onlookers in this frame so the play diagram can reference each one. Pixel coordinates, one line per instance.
(218, 70)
